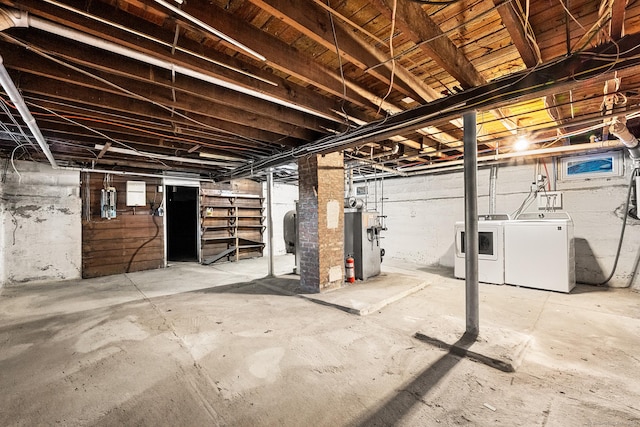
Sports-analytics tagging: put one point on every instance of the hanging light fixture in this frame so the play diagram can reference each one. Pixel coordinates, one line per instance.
(521, 144)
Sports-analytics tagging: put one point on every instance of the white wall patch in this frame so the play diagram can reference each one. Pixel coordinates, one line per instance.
(333, 214)
(335, 273)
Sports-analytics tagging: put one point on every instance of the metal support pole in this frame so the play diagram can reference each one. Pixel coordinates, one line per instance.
(471, 222)
(270, 219)
(492, 189)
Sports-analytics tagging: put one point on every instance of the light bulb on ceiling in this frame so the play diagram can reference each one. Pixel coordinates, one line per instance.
(521, 144)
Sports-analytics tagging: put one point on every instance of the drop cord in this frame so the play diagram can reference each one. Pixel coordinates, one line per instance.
(624, 224)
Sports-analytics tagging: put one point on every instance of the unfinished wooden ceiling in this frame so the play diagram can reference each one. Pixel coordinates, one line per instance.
(215, 86)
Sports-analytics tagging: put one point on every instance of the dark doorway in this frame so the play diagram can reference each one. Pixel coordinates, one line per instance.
(182, 223)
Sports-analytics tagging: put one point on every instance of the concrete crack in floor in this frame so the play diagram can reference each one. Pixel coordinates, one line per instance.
(215, 417)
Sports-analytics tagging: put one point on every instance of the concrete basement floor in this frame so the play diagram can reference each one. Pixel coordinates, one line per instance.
(196, 345)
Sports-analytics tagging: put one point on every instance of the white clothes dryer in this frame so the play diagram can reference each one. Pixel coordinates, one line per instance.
(491, 248)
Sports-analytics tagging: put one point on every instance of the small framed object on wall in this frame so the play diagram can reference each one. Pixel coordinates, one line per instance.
(136, 193)
(589, 166)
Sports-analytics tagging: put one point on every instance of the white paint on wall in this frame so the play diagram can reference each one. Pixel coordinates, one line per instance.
(41, 229)
(284, 200)
(333, 214)
(422, 210)
(335, 274)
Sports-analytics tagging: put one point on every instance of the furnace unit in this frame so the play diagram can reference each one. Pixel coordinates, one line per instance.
(362, 241)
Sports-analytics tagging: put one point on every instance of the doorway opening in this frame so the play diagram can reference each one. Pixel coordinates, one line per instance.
(182, 223)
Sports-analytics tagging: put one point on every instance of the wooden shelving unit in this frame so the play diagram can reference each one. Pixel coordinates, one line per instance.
(232, 225)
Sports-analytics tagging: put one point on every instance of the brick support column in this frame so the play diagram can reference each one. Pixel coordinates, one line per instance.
(321, 221)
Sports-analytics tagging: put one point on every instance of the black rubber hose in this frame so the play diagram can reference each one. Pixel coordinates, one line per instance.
(624, 225)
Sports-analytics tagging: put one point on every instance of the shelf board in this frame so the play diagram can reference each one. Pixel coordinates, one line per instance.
(231, 195)
(218, 239)
(216, 227)
(250, 241)
(248, 196)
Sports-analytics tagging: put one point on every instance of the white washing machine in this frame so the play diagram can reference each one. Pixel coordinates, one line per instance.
(539, 251)
(491, 249)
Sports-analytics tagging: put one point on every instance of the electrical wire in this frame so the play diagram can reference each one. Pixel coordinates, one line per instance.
(40, 52)
(443, 34)
(528, 29)
(124, 126)
(635, 173)
(158, 41)
(341, 67)
(393, 62)
(570, 15)
(597, 27)
(97, 132)
(13, 165)
(5, 108)
(436, 2)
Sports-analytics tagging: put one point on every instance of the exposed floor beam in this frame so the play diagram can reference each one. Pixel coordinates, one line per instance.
(617, 19)
(418, 25)
(595, 65)
(513, 23)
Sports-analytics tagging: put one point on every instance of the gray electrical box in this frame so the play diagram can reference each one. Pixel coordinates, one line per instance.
(362, 242)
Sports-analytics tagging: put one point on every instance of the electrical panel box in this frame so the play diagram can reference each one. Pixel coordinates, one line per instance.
(108, 198)
(549, 200)
(136, 193)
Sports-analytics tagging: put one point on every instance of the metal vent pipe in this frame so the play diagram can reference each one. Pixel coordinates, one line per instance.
(619, 129)
(18, 101)
(14, 18)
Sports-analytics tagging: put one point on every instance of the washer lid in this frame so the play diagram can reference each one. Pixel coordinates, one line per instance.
(494, 217)
(542, 216)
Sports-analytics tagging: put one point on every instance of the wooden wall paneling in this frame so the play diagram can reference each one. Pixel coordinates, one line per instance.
(132, 241)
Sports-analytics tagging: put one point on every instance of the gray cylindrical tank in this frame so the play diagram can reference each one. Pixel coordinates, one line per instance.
(289, 227)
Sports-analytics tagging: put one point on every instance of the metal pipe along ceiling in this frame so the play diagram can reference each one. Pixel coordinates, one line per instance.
(18, 101)
(14, 18)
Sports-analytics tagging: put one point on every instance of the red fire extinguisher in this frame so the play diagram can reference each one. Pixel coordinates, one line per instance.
(350, 268)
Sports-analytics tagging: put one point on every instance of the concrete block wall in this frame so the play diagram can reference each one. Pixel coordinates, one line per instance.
(321, 221)
(422, 210)
(40, 224)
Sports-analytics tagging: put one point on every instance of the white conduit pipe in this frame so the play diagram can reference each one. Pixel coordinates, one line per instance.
(24, 20)
(127, 173)
(412, 170)
(18, 101)
(619, 129)
(164, 157)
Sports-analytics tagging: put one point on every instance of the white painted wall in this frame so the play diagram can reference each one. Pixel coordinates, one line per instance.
(422, 210)
(284, 198)
(40, 224)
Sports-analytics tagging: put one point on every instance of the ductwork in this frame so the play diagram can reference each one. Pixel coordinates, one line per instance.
(619, 129)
